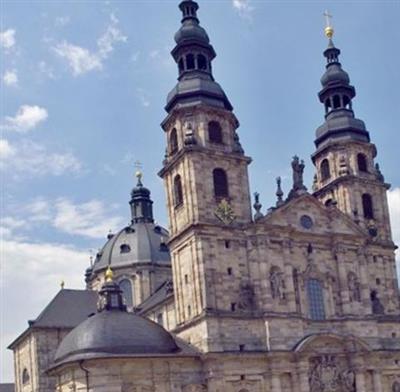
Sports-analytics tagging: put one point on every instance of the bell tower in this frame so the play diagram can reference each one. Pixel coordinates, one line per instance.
(346, 174)
(205, 175)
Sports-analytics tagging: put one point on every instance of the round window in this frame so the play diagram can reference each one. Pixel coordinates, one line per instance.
(306, 222)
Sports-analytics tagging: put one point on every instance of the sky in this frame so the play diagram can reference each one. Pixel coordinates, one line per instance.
(83, 89)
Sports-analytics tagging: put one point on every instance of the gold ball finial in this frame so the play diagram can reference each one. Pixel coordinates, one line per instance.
(139, 174)
(109, 274)
(62, 284)
(329, 31)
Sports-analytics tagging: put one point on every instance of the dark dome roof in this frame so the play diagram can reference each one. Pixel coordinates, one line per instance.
(114, 333)
(191, 30)
(143, 242)
(335, 74)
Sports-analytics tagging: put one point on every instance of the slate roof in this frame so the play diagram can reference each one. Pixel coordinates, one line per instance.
(163, 293)
(7, 387)
(66, 310)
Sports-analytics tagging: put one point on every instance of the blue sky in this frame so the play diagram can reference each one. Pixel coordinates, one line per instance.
(83, 86)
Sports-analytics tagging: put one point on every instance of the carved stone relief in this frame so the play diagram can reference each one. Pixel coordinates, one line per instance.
(194, 388)
(326, 375)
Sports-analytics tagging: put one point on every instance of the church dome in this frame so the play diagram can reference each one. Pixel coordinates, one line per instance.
(141, 242)
(113, 332)
(335, 74)
(191, 31)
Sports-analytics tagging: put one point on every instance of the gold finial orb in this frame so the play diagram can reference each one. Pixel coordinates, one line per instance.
(109, 274)
(139, 174)
(329, 31)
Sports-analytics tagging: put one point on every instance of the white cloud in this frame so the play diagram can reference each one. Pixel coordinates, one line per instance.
(6, 150)
(243, 8)
(32, 159)
(89, 219)
(26, 118)
(30, 278)
(82, 60)
(45, 69)
(10, 78)
(143, 97)
(7, 38)
(62, 21)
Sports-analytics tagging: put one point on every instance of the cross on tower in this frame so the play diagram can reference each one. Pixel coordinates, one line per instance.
(328, 18)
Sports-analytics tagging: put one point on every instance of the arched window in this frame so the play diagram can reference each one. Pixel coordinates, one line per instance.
(25, 376)
(328, 202)
(325, 170)
(316, 299)
(181, 65)
(214, 132)
(346, 101)
(220, 183)
(126, 287)
(189, 61)
(336, 101)
(396, 386)
(178, 194)
(367, 206)
(362, 163)
(125, 248)
(201, 62)
(173, 141)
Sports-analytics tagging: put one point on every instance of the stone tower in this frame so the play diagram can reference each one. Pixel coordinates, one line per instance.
(346, 174)
(205, 175)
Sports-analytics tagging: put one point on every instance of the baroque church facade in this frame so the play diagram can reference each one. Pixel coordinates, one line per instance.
(302, 298)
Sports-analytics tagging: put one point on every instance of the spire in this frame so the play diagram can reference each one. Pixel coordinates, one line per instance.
(337, 94)
(279, 192)
(193, 54)
(141, 203)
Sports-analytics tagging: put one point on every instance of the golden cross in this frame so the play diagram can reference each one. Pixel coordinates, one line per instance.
(328, 18)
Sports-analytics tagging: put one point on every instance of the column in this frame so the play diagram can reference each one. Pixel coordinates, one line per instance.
(360, 381)
(302, 372)
(275, 383)
(376, 377)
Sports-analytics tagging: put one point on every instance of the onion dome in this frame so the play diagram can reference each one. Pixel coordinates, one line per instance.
(193, 54)
(337, 94)
(190, 29)
(114, 332)
(142, 242)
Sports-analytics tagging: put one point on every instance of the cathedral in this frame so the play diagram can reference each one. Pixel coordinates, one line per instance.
(302, 297)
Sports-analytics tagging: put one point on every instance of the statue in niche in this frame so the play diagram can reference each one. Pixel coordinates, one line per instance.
(348, 380)
(354, 287)
(396, 387)
(246, 297)
(276, 282)
(377, 307)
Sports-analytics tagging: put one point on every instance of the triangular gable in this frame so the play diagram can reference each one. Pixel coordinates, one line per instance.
(325, 220)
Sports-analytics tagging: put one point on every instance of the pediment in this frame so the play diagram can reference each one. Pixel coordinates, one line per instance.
(306, 214)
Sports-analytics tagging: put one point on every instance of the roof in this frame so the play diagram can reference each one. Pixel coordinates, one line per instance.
(111, 333)
(7, 387)
(143, 242)
(66, 310)
(164, 292)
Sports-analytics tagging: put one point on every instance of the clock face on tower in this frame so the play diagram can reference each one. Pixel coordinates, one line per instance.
(225, 213)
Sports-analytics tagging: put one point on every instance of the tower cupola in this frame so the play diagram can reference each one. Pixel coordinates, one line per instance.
(193, 54)
(337, 94)
(141, 203)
